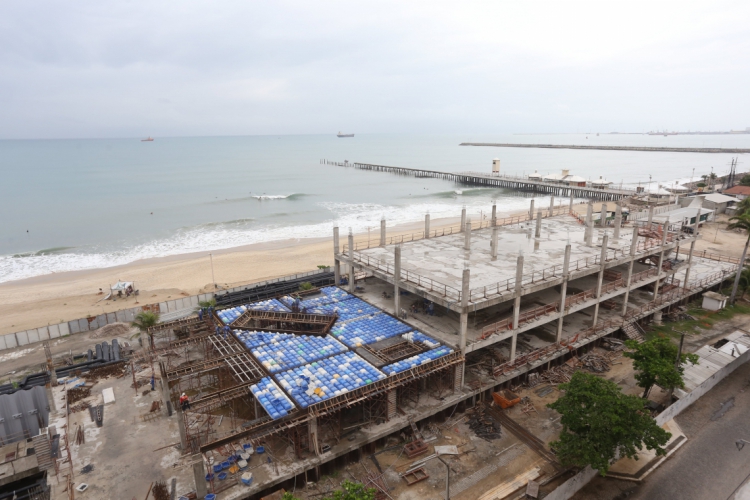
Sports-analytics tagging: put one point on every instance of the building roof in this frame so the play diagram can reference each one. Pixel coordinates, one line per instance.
(600, 181)
(743, 190)
(680, 214)
(713, 359)
(719, 198)
(574, 178)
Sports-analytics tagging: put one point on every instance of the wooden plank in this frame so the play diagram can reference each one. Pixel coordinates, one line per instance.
(508, 487)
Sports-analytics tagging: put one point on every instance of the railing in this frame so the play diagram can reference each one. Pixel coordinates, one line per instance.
(561, 184)
(712, 256)
(523, 318)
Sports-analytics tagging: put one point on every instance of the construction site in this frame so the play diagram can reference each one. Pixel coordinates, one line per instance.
(400, 371)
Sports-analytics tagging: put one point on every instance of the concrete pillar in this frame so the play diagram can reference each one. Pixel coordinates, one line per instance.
(531, 210)
(464, 318)
(538, 231)
(336, 261)
(382, 232)
(589, 232)
(427, 226)
(351, 264)
(463, 219)
(570, 206)
(665, 226)
(467, 236)
(199, 475)
(657, 318)
(650, 214)
(336, 246)
(618, 220)
(551, 205)
(689, 262)
(633, 246)
(312, 434)
(697, 223)
(516, 306)
(494, 214)
(602, 262)
(493, 244)
(603, 215)
(396, 281)
(563, 292)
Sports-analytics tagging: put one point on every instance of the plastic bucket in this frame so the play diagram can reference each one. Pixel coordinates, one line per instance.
(210, 496)
(222, 476)
(260, 449)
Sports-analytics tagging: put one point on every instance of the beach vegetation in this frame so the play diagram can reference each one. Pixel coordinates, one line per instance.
(205, 304)
(701, 184)
(322, 266)
(601, 424)
(306, 285)
(655, 363)
(145, 320)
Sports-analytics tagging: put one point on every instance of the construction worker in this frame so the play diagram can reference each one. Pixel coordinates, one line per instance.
(184, 402)
(153, 382)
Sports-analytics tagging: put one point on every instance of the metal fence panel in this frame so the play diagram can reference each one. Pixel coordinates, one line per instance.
(22, 338)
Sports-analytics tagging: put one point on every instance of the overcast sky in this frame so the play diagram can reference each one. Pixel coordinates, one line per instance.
(167, 68)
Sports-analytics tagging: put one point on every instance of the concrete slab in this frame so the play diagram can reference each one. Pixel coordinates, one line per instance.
(108, 395)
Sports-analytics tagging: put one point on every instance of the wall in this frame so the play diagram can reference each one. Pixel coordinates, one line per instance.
(12, 340)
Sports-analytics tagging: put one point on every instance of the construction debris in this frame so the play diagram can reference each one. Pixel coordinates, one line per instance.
(77, 393)
(160, 491)
(415, 448)
(115, 370)
(155, 406)
(483, 424)
(87, 469)
(80, 436)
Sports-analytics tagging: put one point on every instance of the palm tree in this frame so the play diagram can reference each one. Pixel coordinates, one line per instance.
(740, 222)
(145, 320)
(743, 207)
(744, 282)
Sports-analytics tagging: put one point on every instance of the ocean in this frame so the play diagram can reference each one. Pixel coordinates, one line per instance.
(81, 204)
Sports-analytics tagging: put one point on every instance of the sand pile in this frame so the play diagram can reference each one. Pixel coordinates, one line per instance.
(112, 330)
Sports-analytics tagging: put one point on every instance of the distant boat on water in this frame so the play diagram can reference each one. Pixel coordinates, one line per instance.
(148, 139)
(344, 135)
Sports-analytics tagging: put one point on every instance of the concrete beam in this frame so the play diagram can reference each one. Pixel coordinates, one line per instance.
(551, 205)
(587, 235)
(199, 475)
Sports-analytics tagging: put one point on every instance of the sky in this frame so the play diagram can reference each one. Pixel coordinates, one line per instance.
(89, 69)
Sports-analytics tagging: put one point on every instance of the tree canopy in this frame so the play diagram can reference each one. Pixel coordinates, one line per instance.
(349, 491)
(145, 320)
(654, 360)
(600, 423)
(745, 181)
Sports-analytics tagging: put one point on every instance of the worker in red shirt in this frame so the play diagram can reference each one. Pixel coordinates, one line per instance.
(184, 402)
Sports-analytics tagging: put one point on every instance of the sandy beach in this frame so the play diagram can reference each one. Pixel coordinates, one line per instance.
(55, 298)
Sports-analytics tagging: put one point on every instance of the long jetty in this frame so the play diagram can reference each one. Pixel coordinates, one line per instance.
(498, 181)
(611, 148)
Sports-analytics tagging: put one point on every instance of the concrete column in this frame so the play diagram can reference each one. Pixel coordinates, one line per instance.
(427, 226)
(570, 206)
(661, 258)
(336, 246)
(337, 271)
(618, 220)
(463, 219)
(493, 245)
(602, 262)
(516, 306)
(538, 231)
(689, 262)
(199, 475)
(603, 215)
(382, 232)
(396, 281)
(650, 214)
(494, 214)
(697, 223)
(336, 262)
(181, 423)
(563, 292)
(465, 291)
(657, 318)
(588, 234)
(531, 210)
(351, 264)
(633, 246)
(551, 205)
(312, 433)
(467, 236)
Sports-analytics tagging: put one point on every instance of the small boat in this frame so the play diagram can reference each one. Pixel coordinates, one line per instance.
(344, 135)
(148, 139)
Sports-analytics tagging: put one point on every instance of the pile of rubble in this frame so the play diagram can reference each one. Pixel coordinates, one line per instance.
(483, 424)
(115, 370)
(77, 393)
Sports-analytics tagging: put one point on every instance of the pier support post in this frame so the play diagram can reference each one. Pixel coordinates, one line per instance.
(538, 231)
(628, 281)
(397, 281)
(351, 262)
(427, 226)
(382, 232)
(602, 262)
(563, 292)
(463, 218)
(589, 232)
(464, 310)
(531, 210)
(199, 475)
(493, 244)
(493, 220)
(516, 306)
(336, 261)
(467, 236)
(618, 220)
(551, 205)
(665, 227)
(603, 215)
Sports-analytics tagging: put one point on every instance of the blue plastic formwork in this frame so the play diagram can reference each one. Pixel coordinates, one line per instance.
(228, 316)
(417, 360)
(421, 338)
(337, 293)
(253, 339)
(368, 329)
(285, 353)
(346, 310)
(272, 398)
(328, 378)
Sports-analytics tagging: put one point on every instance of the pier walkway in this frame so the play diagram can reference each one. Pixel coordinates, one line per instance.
(611, 148)
(499, 181)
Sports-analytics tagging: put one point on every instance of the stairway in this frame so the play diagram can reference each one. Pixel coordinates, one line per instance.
(632, 332)
(43, 452)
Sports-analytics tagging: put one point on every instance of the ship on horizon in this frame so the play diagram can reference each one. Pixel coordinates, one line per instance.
(344, 135)
(148, 139)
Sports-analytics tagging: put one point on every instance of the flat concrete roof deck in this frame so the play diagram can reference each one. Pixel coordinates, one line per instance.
(443, 258)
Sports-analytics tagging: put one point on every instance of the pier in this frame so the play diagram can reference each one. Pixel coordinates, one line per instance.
(611, 148)
(499, 181)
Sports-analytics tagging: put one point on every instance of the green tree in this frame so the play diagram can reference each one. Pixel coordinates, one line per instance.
(351, 491)
(654, 360)
(744, 282)
(145, 320)
(743, 207)
(745, 181)
(306, 285)
(740, 222)
(207, 303)
(600, 423)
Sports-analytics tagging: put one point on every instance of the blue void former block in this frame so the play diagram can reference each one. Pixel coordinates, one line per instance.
(368, 329)
(417, 360)
(272, 398)
(285, 353)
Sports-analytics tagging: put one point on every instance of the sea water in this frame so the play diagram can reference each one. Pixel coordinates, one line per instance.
(81, 204)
